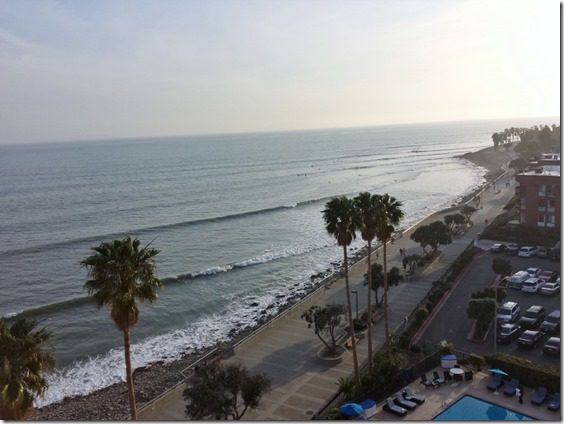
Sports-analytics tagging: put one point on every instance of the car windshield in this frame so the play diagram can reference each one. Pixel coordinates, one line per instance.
(529, 314)
(506, 330)
(527, 336)
(503, 312)
(553, 343)
(552, 319)
(529, 283)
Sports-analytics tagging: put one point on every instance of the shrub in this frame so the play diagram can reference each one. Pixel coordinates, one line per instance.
(476, 361)
(420, 315)
(529, 373)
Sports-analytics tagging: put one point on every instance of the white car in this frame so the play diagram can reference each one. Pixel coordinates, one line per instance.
(532, 285)
(534, 272)
(550, 288)
(527, 251)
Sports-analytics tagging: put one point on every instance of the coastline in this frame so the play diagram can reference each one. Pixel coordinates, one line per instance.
(111, 403)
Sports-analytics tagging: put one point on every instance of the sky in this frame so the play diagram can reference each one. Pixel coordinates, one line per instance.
(73, 70)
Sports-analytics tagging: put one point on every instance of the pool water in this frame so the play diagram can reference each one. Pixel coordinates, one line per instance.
(470, 408)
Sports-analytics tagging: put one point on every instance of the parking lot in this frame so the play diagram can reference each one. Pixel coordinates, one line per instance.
(526, 300)
(452, 323)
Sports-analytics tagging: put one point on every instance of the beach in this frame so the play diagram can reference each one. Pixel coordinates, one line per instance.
(111, 403)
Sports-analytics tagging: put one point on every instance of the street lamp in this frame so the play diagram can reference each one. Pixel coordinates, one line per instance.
(356, 301)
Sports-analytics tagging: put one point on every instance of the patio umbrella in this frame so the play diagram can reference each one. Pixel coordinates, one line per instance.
(351, 409)
(498, 371)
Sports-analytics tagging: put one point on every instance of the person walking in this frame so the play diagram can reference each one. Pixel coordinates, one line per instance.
(521, 395)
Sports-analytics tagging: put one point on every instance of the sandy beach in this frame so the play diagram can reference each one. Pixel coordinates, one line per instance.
(111, 403)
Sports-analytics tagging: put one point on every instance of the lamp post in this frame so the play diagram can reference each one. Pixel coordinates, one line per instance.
(356, 301)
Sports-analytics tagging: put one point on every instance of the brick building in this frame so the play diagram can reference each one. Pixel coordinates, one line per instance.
(538, 189)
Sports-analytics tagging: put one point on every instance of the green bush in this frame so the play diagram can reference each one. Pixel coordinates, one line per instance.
(529, 373)
(420, 315)
(476, 361)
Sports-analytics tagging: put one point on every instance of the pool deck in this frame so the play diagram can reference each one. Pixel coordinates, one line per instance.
(437, 400)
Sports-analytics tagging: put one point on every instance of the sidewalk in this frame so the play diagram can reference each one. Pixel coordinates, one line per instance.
(286, 350)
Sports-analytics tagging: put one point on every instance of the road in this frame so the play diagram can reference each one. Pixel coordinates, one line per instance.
(451, 322)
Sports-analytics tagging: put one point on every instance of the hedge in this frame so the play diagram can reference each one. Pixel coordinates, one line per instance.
(529, 373)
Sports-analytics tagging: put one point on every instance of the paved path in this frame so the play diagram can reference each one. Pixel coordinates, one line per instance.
(286, 350)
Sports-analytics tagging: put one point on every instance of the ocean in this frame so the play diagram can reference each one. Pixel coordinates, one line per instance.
(237, 219)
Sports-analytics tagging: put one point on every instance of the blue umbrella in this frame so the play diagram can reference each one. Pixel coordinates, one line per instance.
(351, 409)
(498, 371)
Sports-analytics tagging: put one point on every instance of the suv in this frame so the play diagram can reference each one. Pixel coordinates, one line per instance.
(552, 322)
(527, 251)
(498, 247)
(508, 332)
(532, 318)
(552, 346)
(508, 312)
(529, 338)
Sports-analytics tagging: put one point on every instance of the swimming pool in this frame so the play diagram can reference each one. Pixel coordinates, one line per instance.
(470, 408)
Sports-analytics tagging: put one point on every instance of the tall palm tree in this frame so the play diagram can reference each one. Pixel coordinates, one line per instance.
(122, 273)
(389, 215)
(341, 221)
(22, 363)
(367, 209)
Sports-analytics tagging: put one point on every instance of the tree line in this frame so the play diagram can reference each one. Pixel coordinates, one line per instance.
(533, 140)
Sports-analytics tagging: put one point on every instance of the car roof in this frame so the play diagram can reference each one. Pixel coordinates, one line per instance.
(555, 313)
(535, 308)
(509, 304)
(508, 325)
(554, 339)
(529, 332)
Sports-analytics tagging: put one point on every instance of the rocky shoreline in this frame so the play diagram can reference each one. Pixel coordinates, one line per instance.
(111, 403)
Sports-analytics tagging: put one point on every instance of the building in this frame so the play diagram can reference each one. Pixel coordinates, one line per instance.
(538, 189)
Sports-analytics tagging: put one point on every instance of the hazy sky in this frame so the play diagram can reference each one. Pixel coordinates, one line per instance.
(102, 69)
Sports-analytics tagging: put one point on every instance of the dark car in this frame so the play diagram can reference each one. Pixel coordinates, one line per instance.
(549, 275)
(532, 318)
(529, 339)
(511, 249)
(508, 332)
(552, 346)
(554, 253)
(552, 322)
(498, 247)
(542, 252)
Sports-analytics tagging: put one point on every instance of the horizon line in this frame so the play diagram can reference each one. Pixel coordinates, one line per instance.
(211, 134)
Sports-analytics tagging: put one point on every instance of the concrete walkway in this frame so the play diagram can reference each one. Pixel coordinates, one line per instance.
(286, 349)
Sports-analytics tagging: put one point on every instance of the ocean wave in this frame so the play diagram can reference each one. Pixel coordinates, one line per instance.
(140, 231)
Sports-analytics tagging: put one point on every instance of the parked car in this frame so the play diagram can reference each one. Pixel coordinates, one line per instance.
(549, 275)
(508, 312)
(527, 251)
(554, 253)
(511, 249)
(534, 272)
(498, 247)
(550, 288)
(508, 332)
(552, 346)
(529, 339)
(517, 279)
(532, 285)
(551, 324)
(542, 252)
(532, 318)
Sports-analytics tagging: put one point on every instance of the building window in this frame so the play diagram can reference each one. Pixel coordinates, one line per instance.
(551, 221)
(542, 220)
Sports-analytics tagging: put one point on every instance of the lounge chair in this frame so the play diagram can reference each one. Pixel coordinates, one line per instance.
(428, 383)
(409, 394)
(554, 402)
(407, 404)
(390, 406)
(495, 382)
(437, 378)
(468, 375)
(511, 387)
(539, 396)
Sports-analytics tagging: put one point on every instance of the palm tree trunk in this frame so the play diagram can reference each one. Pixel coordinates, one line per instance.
(129, 374)
(349, 312)
(369, 275)
(384, 259)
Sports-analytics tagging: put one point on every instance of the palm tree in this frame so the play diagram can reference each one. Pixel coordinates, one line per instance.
(366, 205)
(341, 222)
(122, 273)
(389, 215)
(23, 362)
